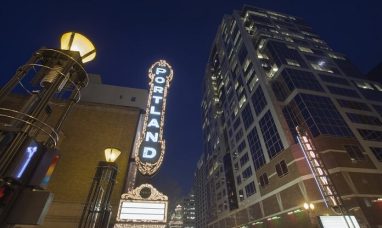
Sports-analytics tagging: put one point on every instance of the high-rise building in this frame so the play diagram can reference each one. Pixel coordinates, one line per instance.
(200, 190)
(184, 213)
(287, 122)
(189, 211)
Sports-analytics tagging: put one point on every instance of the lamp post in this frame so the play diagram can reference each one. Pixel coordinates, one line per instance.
(309, 207)
(97, 209)
(29, 132)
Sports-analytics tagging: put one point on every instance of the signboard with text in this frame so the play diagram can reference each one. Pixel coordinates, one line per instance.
(144, 204)
(151, 145)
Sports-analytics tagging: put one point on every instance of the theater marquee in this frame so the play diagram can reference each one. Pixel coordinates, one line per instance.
(151, 144)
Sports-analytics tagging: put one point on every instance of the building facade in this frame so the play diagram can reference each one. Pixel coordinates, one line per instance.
(200, 190)
(271, 81)
(189, 211)
(106, 116)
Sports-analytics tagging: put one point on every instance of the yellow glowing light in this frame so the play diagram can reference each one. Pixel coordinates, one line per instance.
(306, 206)
(76, 42)
(112, 154)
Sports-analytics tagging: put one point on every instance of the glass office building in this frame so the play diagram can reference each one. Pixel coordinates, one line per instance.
(268, 75)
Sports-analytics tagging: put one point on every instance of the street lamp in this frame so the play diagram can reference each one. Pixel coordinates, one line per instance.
(309, 207)
(97, 209)
(30, 124)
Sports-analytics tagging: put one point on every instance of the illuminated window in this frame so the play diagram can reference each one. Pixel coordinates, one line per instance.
(241, 195)
(292, 62)
(305, 49)
(318, 41)
(363, 85)
(321, 67)
(253, 82)
(336, 56)
(243, 99)
(377, 86)
(281, 169)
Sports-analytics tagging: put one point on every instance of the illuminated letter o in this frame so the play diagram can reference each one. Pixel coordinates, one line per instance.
(159, 80)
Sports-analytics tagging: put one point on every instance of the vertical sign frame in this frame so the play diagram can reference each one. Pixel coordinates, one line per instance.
(151, 145)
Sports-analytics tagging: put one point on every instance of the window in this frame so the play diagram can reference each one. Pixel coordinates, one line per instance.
(241, 195)
(378, 108)
(355, 153)
(316, 112)
(239, 134)
(264, 180)
(378, 86)
(321, 67)
(244, 159)
(364, 119)
(242, 100)
(247, 172)
(343, 91)
(353, 105)
(241, 146)
(271, 136)
(363, 85)
(300, 79)
(246, 114)
(292, 62)
(238, 179)
(370, 135)
(255, 148)
(281, 169)
(336, 56)
(333, 79)
(258, 100)
(250, 189)
(305, 49)
(377, 152)
(132, 99)
(236, 124)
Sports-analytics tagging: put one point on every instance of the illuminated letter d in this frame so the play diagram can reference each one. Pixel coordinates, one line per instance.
(160, 71)
(149, 152)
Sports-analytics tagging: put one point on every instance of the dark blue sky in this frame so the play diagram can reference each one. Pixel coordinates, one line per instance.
(130, 36)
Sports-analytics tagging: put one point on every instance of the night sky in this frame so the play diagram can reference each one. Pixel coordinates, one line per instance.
(130, 36)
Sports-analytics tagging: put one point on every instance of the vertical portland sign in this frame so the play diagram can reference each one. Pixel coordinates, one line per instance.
(151, 144)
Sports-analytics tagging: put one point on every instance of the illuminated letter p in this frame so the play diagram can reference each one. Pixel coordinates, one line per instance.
(149, 152)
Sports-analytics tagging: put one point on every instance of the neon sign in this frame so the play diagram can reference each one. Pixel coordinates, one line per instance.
(151, 144)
